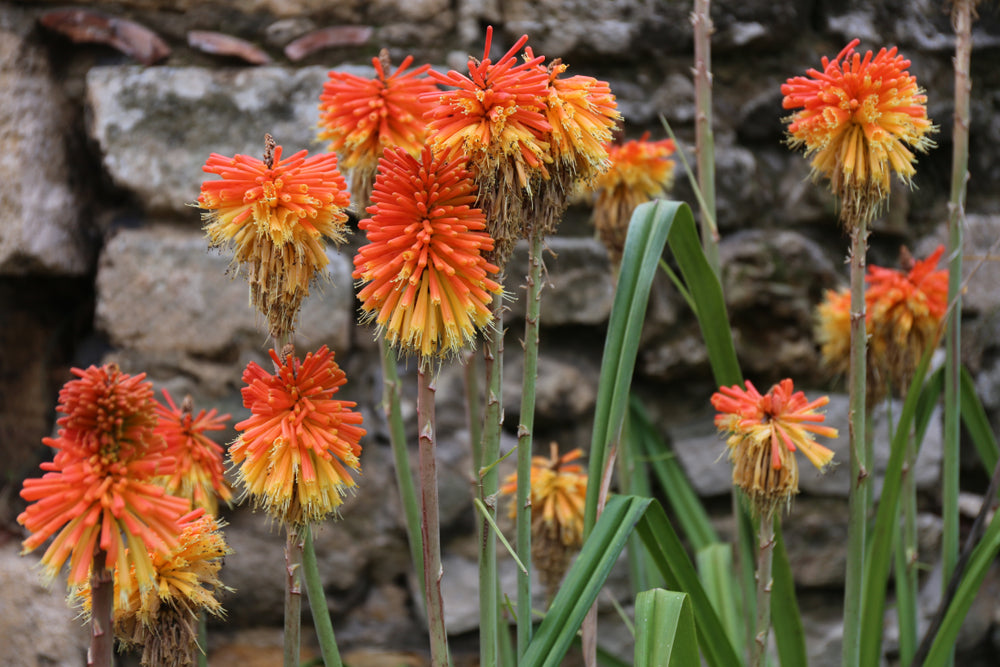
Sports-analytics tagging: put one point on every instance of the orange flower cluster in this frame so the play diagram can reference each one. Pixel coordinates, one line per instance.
(903, 320)
(495, 117)
(99, 492)
(558, 494)
(859, 118)
(198, 475)
(163, 618)
(641, 170)
(296, 447)
(764, 431)
(361, 117)
(428, 286)
(276, 214)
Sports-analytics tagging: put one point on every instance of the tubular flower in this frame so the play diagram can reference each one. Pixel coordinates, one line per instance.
(558, 494)
(361, 117)
(833, 330)
(428, 286)
(163, 618)
(276, 214)
(641, 170)
(495, 117)
(764, 431)
(583, 115)
(295, 449)
(859, 118)
(199, 472)
(905, 309)
(98, 491)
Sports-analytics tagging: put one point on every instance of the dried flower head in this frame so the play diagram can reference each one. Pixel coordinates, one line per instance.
(764, 431)
(98, 491)
(558, 494)
(276, 214)
(163, 619)
(361, 117)
(295, 449)
(641, 170)
(428, 286)
(198, 475)
(495, 117)
(905, 309)
(859, 119)
(833, 330)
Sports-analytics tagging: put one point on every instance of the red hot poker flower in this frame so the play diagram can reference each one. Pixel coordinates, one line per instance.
(764, 432)
(859, 118)
(296, 448)
(276, 214)
(199, 472)
(428, 286)
(98, 491)
(361, 117)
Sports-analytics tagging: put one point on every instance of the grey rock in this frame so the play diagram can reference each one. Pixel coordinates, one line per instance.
(42, 227)
(160, 289)
(576, 278)
(157, 127)
(980, 271)
(28, 608)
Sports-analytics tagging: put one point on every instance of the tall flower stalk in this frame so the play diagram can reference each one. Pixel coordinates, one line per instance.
(764, 431)
(99, 497)
(858, 118)
(427, 287)
(962, 15)
(276, 214)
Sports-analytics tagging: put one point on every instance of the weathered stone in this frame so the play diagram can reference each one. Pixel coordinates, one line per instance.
(38, 626)
(577, 285)
(157, 126)
(41, 232)
(161, 289)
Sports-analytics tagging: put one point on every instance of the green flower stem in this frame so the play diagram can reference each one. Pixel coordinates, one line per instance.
(489, 485)
(860, 482)
(102, 595)
(317, 603)
(962, 16)
(391, 390)
(293, 595)
(524, 437)
(765, 556)
(430, 524)
(906, 559)
(701, 22)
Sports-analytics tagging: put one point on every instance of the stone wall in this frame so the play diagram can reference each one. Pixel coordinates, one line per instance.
(102, 256)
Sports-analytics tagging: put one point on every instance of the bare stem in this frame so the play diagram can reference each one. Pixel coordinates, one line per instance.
(102, 596)
(765, 556)
(962, 11)
(701, 21)
(293, 595)
(430, 524)
(489, 484)
(860, 482)
(524, 437)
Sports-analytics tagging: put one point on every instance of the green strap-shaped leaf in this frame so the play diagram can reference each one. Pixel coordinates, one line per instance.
(879, 555)
(715, 565)
(941, 651)
(977, 423)
(789, 634)
(664, 630)
(583, 582)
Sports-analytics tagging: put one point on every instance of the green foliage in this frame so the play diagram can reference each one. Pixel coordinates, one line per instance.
(664, 629)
